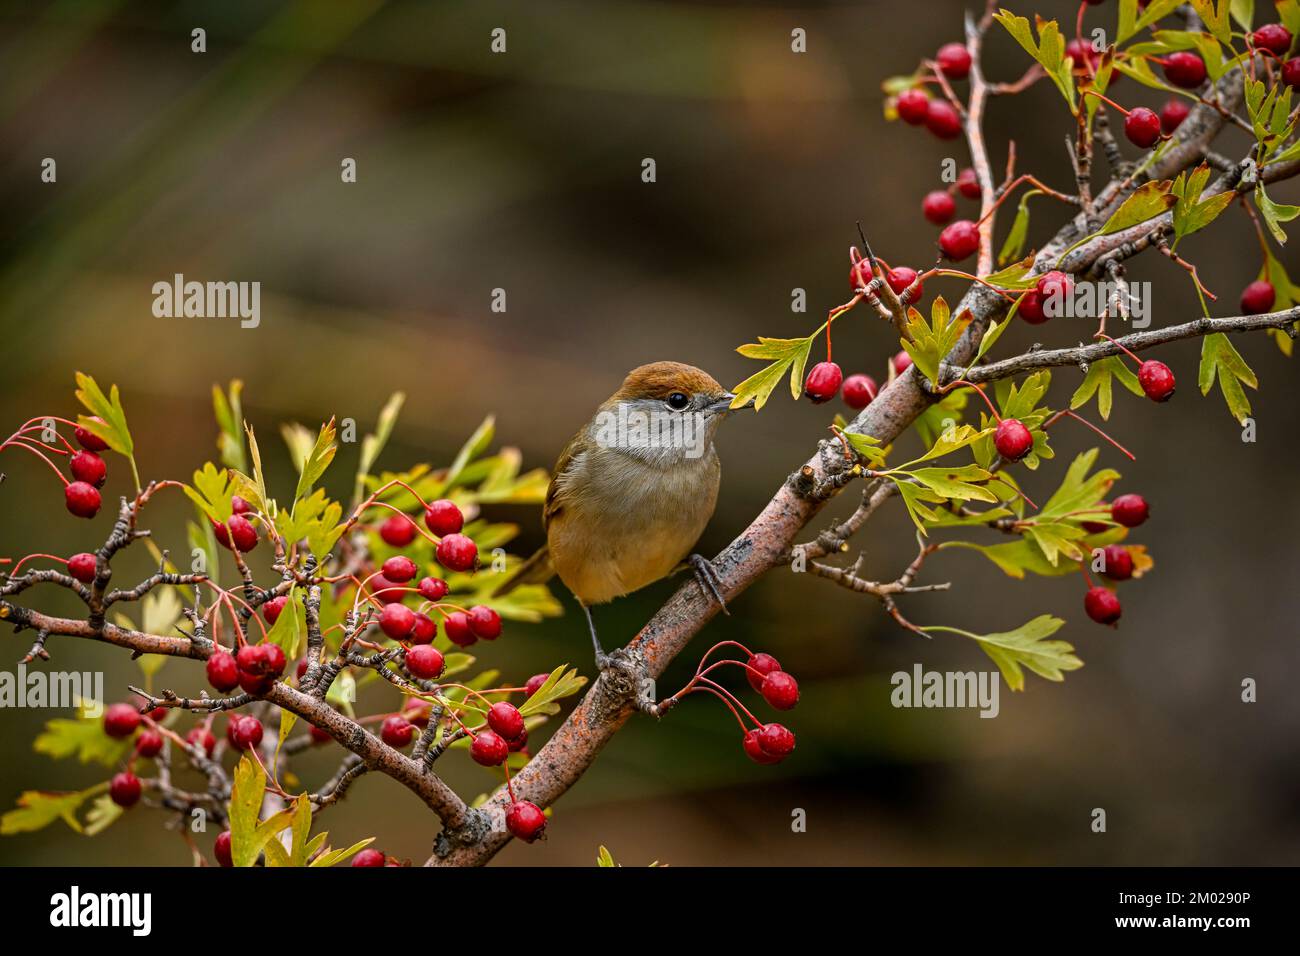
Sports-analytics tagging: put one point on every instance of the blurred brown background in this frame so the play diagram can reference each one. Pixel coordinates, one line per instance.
(522, 171)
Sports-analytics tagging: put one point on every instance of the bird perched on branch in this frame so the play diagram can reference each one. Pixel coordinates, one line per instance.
(633, 490)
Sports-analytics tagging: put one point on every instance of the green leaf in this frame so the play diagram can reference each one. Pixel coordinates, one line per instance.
(1214, 14)
(230, 420)
(562, 682)
(478, 443)
(959, 436)
(210, 490)
(956, 483)
(1288, 12)
(928, 343)
(604, 858)
(1014, 244)
(786, 355)
(112, 429)
(374, 443)
(1026, 647)
(1274, 213)
(1192, 214)
(1049, 50)
(1243, 11)
(939, 417)
(1079, 490)
(37, 809)
(316, 461)
(249, 834)
(82, 737)
(290, 627)
(1015, 558)
(867, 447)
(1098, 381)
(1130, 22)
(330, 857)
(103, 813)
(1015, 276)
(1219, 359)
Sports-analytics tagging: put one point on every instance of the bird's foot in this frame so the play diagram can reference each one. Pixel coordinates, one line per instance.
(625, 679)
(708, 578)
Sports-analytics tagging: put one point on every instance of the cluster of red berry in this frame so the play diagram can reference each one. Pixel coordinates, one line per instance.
(81, 495)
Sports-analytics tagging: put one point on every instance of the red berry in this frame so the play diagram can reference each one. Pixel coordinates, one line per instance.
(822, 382)
(913, 105)
(1130, 510)
(319, 736)
(1102, 605)
(273, 658)
(386, 591)
(1291, 73)
(1084, 54)
(1156, 380)
(149, 743)
(776, 740)
(239, 505)
(534, 684)
(272, 608)
(755, 751)
(369, 857)
(505, 719)
(223, 671)
(417, 711)
(221, 849)
(238, 532)
(82, 567)
(968, 184)
(400, 568)
(938, 207)
(942, 120)
(124, 790)
(443, 517)
(780, 690)
(424, 630)
(1012, 439)
(433, 589)
(1185, 70)
(484, 622)
(424, 661)
(859, 391)
(397, 731)
(243, 732)
(81, 499)
(954, 60)
(859, 274)
(525, 820)
(1031, 308)
(1173, 113)
(198, 737)
(900, 279)
(901, 362)
(121, 720)
(457, 628)
(88, 439)
(1258, 297)
(518, 743)
(396, 621)
(457, 553)
(1117, 562)
(1055, 284)
(88, 467)
(764, 664)
(1142, 127)
(1273, 37)
(251, 658)
(398, 531)
(960, 240)
(489, 748)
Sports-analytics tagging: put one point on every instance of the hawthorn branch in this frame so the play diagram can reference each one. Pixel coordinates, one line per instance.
(766, 543)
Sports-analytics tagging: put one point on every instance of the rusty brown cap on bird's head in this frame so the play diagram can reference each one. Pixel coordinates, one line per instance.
(661, 379)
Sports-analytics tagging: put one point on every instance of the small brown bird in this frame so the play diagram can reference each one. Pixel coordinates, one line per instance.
(633, 490)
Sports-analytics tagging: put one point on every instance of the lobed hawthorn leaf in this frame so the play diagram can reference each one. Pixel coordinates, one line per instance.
(1026, 647)
(249, 834)
(112, 429)
(867, 447)
(1015, 276)
(1131, 22)
(563, 682)
(1243, 11)
(1098, 382)
(1221, 360)
(82, 736)
(941, 416)
(1288, 12)
(1214, 14)
(229, 413)
(1274, 214)
(316, 461)
(37, 809)
(1048, 50)
(929, 342)
(1191, 213)
(1287, 295)
(474, 447)
(374, 442)
(1079, 490)
(787, 355)
(101, 815)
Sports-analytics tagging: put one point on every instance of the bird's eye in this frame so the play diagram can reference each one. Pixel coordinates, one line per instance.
(678, 401)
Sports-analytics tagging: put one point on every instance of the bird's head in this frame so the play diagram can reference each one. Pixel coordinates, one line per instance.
(664, 411)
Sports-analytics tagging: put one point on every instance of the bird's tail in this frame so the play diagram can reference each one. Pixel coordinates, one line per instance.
(536, 570)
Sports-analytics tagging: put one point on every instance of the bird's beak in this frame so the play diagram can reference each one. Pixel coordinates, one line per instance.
(722, 403)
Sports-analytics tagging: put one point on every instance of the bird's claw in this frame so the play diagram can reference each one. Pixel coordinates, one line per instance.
(708, 578)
